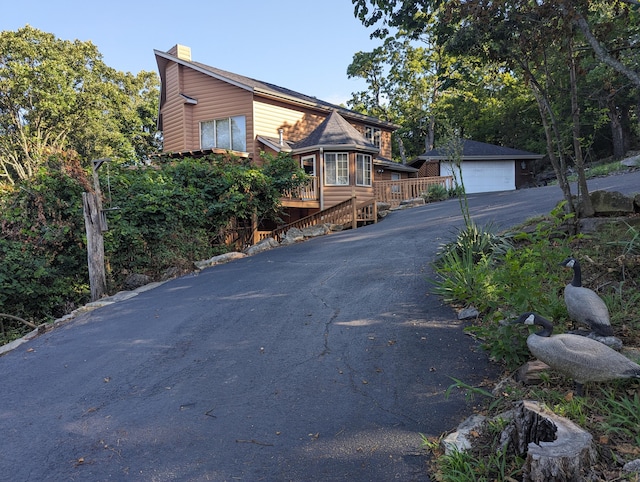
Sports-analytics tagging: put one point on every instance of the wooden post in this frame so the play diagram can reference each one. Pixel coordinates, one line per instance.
(95, 224)
(354, 212)
(95, 245)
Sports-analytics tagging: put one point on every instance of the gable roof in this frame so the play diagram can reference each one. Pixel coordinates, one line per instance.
(334, 133)
(474, 150)
(262, 88)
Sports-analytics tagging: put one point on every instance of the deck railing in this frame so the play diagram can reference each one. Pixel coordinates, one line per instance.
(347, 213)
(393, 192)
(308, 192)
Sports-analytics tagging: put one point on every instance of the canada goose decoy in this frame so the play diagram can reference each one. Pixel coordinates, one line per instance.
(583, 304)
(580, 358)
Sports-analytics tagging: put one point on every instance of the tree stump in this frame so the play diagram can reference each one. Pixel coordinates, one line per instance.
(556, 448)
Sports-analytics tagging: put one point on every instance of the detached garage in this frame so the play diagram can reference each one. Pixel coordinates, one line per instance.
(484, 167)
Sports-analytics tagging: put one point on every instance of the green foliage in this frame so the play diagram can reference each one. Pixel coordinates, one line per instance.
(436, 192)
(504, 275)
(43, 272)
(478, 241)
(465, 466)
(622, 414)
(60, 95)
(189, 210)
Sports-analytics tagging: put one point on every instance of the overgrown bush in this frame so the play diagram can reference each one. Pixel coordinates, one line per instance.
(43, 260)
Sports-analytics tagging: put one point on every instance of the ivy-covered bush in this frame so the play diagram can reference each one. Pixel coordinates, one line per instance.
(43, 259)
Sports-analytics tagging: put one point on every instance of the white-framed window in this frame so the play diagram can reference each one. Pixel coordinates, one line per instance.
(363, 169)
(336, 169)
(308, 163)
(227, 133)
(372, 134)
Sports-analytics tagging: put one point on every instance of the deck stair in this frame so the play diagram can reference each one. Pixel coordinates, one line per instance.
(348, 214)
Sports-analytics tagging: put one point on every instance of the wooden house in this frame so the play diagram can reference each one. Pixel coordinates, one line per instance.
(204, 109)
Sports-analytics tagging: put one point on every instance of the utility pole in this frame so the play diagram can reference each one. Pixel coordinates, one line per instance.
(95, 224)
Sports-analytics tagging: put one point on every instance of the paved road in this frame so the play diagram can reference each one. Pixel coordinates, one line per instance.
(323, 360)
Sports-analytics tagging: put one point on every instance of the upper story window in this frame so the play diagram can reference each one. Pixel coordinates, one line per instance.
(228, 133)
(373, 134)
(363, 170)
(336, 169)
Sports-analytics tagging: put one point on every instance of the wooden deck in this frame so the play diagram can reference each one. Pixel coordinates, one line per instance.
(350, 213)
(394, 192)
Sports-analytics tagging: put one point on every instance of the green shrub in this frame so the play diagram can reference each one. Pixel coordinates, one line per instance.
(43, 262)
(436, 192)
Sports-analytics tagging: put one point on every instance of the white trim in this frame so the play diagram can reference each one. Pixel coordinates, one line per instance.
(324, 160)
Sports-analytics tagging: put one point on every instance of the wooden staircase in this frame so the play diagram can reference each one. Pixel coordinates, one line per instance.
(348, 214)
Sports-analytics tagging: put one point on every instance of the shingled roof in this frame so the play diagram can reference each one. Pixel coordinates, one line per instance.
(474, 150)
(263, 88)
(335, 133)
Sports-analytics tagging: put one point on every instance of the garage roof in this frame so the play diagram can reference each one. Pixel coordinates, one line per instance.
(474, 150)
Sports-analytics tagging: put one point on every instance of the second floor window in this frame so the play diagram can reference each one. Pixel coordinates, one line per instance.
(363, 170)
(336, 169)
(372, 134)
(228, 133)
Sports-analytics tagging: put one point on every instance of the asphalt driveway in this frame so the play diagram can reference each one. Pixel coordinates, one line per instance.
(324, 360)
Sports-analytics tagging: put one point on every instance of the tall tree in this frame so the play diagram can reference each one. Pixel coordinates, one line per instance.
(533, 38)
(59, 95)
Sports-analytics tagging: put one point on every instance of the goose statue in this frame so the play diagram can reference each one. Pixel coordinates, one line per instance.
(580, 358)
(584, 305)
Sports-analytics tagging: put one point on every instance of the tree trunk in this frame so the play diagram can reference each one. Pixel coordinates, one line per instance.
(617, 134)
(556, 448)
(583, 190)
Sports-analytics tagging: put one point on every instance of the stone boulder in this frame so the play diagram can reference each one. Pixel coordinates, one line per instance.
(294, 235)
(611, 203)
(223, 258)
(317, 230)
(409, 203)
(264, 245)
(136, 280)
(631, 161)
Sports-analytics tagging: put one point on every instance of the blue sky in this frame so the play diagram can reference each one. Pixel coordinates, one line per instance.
(302, 46)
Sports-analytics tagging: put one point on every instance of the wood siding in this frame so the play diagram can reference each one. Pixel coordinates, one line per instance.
(296, 122)
(216, 100)
(173, 122)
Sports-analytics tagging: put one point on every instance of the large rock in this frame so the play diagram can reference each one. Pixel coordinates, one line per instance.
(317, 230)
(611, 203)
(136, 280)
(294, 235)
(264, 245)
(631, 161)
(462, 439)
(223, 258)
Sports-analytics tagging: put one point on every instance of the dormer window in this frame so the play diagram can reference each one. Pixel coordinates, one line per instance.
(372, 134)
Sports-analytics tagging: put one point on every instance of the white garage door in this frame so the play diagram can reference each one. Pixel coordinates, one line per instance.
(485, 176)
